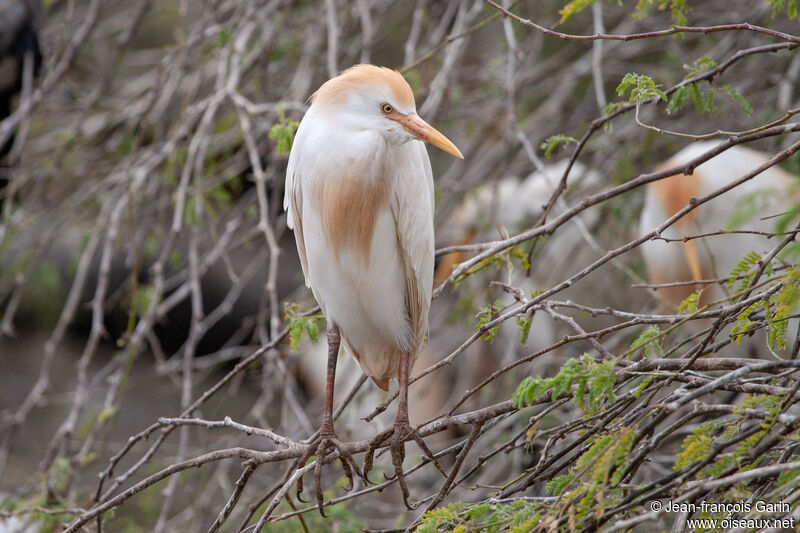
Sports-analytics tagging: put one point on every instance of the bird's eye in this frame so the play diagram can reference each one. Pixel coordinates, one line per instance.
(386, 108)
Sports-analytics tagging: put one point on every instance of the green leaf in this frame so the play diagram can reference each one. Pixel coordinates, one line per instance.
(601, 383)
(778, 312)
(744, 268)
(679, 10)
(650, 340)
(677, 100)
(557, 484)
(697, 445)
(690, 303)
(778, 5)
(573, 7)
(641, 87)
(612, 107)
(283, 133)
(299, 325)
(699, 67)
(524, 322)
(486, 315)
(554, 141)
(703, 102)
(647, 380)
(743, 323)
(788, 475)
(738, 98)
(588, 376)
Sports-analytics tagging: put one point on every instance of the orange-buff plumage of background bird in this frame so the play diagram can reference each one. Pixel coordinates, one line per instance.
(359, 197)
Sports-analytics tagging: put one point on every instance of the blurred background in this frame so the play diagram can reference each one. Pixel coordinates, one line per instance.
(144, 251)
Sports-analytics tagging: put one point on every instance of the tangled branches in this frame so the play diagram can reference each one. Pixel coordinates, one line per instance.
(150, 300)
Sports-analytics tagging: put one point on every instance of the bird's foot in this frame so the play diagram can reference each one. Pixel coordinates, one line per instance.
(397, 436)
(325, 448)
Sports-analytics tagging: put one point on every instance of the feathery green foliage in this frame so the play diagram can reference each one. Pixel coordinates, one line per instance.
(524, 322)
(301, 325)
(704, 102)
(588, 376)
(779, 309)
(596, 474)
(745, 269)
(696, 446)
(779, 5)
(691, 302)
(650, 341)
(486, 315)
(738, 98)
(32, 508)
(679, 9)
(641, 87)
(743, 322)
(703, 99)
(574, 6)
(282, 133)
(612, 107)
(554, 141)
(513, 517)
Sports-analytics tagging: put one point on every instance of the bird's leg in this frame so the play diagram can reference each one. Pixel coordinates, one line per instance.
(400, 433)
(326, 438)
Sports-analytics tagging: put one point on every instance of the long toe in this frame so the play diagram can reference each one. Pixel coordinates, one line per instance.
(320, 449)
(428, 453)
(397, 436)
(374, 444)
(398, 449)
(348, 463)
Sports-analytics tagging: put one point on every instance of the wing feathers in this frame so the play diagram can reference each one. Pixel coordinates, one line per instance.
(412, 207)
(293, 204)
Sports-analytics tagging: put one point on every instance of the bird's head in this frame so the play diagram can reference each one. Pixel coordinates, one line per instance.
(366, 97)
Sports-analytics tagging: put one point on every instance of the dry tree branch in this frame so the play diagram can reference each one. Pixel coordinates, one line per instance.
(177, 146)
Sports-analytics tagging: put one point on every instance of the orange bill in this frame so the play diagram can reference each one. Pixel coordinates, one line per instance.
(425, 132)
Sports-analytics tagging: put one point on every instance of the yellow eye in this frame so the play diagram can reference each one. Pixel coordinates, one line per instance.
(386, 108)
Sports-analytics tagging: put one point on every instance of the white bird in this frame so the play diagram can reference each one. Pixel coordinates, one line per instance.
(359, 197)
(749, 206)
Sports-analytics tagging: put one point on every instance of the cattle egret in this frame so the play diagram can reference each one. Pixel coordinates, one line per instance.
(359, 197)
(746, 207)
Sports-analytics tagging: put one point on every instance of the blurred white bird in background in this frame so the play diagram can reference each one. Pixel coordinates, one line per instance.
(751, 206)
(751, 211)
(505, 207)
(359, 197)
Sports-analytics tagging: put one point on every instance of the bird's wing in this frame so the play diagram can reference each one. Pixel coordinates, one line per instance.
(412, 208)
(293, 205)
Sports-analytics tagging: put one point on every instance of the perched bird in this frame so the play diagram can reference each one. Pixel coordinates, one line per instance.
(359, 197)
(751, 206)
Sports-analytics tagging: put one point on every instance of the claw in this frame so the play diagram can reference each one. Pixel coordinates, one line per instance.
(374, 444)
(299, 491)
(428, 453)
(327, 440)
(399, 433)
